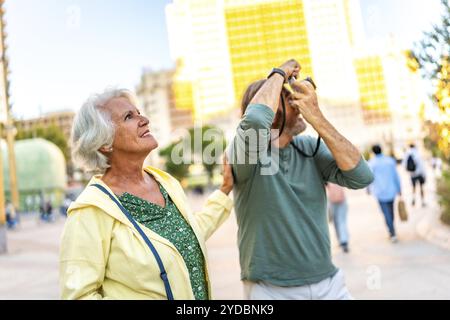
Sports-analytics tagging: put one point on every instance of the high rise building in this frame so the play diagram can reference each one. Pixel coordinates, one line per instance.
(235, 42)
(334, 28)
(223, 45)
(156, 98)
(392, 95)
(60, 119)
(198, 43)
(373, 89)
(330, 28)
(263, 34)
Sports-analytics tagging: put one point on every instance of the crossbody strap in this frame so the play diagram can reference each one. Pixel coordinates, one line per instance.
(163, 273)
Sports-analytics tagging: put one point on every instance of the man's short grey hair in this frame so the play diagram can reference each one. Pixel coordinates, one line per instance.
(93, 128)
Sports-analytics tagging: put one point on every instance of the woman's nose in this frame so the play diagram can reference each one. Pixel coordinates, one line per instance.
(144, 121)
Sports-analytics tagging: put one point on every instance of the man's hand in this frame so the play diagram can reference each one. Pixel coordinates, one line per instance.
(291, 68)
(269, 94)
(304, 98)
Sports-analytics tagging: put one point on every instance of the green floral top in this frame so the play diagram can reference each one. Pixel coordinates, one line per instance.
(170, 224)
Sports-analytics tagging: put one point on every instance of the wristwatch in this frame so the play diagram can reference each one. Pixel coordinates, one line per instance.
(279, 71)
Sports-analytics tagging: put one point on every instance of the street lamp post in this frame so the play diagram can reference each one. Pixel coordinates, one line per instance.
(10, 132)
(3, 109)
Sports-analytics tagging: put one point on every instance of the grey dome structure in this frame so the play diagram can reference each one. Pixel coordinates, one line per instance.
(41, 173)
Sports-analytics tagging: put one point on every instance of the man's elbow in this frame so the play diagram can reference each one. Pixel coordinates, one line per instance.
(369, 180)
(361, 182)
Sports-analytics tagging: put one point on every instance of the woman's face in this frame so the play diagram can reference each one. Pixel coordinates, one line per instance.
(132, 132)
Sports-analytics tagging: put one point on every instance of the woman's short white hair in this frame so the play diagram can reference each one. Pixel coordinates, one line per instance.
(93, 128)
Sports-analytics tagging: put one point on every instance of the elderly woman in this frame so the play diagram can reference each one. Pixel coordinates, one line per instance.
(131, 234)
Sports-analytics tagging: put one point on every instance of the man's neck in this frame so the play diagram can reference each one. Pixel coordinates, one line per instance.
(283, 141)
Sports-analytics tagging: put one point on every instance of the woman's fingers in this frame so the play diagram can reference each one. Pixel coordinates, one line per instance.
(228, 182)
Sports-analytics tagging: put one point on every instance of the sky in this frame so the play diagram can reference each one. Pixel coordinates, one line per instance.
(61, 51)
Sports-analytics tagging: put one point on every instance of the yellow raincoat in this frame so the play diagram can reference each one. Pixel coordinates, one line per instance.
(103, 256)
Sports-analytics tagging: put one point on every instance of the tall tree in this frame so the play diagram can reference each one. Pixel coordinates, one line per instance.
(175, 168)
(206, 144)
(431, 55)
(209, 143)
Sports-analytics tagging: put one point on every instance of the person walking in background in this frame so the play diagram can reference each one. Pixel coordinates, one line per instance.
(47, 211)
(11, 220)
(41, 206)
(413, 163)
(65, 205)
(386, 186)
(337, 205)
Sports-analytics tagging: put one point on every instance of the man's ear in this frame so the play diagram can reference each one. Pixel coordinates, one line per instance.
(276, 124)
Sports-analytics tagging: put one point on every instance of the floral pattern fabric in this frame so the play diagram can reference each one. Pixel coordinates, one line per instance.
(170, 224)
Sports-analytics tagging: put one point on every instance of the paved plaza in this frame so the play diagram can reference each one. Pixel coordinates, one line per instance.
(413, 268)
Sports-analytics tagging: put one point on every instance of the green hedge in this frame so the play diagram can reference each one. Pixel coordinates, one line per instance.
(443, 192)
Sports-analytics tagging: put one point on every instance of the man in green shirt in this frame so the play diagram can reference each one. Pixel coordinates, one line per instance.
(279, 191)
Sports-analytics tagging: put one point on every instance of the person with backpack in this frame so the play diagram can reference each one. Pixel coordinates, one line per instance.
(414, 164)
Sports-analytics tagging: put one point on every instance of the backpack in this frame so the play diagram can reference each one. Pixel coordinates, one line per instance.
(410, 164)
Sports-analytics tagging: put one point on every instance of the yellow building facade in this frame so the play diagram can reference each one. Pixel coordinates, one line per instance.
(372, 90)
(263, 34)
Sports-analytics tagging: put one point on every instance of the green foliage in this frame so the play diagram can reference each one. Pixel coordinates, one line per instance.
(51, 133)
(432, 57)
(433, 140)
(432, 52)
(206, 143)
(211, 147)
(443, 192)
(367, 153)
(179, 171)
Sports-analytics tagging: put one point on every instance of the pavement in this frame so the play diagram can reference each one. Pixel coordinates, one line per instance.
(29, 271)
(417, 267)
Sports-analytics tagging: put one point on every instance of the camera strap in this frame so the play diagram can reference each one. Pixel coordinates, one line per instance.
(283, 124)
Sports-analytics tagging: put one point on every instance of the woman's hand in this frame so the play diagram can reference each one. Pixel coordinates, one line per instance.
(228, 182)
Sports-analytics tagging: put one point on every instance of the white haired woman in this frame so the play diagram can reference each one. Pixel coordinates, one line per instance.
(131, 234)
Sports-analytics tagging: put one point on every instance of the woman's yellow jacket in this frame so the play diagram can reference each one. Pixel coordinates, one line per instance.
(103, 256)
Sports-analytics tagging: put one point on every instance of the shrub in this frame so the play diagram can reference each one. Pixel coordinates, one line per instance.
(443, 193)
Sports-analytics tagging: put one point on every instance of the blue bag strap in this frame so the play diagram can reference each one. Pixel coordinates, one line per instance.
(163, 274)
